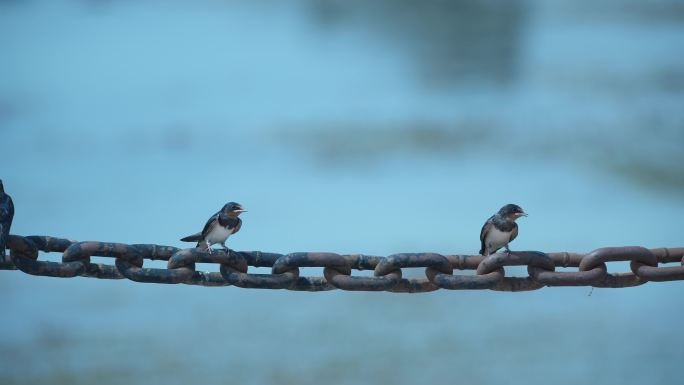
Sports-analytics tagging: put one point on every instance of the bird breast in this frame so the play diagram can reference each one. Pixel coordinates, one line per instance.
(218, 234)
(496, 237)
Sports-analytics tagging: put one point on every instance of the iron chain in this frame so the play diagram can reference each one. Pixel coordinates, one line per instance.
(337, 269)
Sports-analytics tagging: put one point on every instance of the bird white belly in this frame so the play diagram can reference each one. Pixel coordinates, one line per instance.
(218, 234)
(497, 238)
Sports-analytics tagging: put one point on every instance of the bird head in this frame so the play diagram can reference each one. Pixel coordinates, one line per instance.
(233, 209)
(512, 212)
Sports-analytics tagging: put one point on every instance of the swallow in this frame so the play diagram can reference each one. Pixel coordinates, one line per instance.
(500, 229)
(219, 227)
(6, 215)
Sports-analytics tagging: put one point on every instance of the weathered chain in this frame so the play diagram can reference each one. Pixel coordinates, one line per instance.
(388, 276)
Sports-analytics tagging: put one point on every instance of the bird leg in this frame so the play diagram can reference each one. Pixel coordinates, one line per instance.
(225, 248)
(208, 247)
(508, 251)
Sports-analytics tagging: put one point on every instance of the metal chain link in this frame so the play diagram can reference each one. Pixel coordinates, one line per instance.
(337, 269)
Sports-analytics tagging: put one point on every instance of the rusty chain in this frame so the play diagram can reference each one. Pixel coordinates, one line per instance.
(337, 269)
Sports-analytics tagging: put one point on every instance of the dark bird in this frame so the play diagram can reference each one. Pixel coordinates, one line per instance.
(6, 215)
(219, 227)
(500, 229)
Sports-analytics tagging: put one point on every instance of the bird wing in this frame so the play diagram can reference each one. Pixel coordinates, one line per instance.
(10, 206)
(514, 232)
(207, 228)
(483, 234)
(213, 221)
(6, 215)
(2, 242)
(6, 207)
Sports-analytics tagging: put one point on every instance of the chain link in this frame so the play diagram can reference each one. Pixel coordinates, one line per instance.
(388, 272)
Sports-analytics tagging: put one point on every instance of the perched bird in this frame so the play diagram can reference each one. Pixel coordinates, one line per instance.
(500, 229)
(6, 215)
(219, 227)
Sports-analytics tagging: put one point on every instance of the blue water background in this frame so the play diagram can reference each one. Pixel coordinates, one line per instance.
(351, 127)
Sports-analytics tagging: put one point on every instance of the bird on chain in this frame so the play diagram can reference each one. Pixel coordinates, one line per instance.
(219, 227)
(500, 229)
(6, 215)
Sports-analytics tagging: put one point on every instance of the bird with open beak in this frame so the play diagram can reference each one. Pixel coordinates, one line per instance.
(500, 229)
(219, 227)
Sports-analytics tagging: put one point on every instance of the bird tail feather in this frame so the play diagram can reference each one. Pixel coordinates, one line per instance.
(192, 238)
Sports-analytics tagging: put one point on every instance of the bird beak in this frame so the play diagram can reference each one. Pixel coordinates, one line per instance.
(523, 214)
(240, 211)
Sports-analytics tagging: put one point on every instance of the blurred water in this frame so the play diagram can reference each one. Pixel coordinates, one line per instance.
(345, 127)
